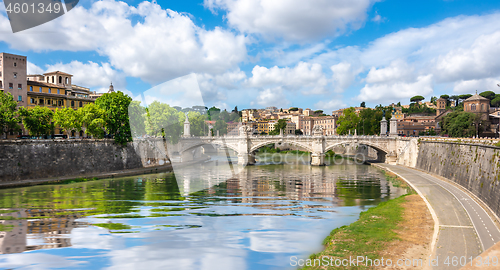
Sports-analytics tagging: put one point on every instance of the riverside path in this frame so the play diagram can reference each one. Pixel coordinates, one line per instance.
(464, 227)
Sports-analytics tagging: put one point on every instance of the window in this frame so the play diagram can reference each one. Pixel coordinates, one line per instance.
(1, 86)
(81, 104)
(59, 91)
(15, 74)
(60, 102)
(72, 103)
(67, 80)
(15, 64)
(47, 79)
(40, 101)
(40, 89)
(32, 101)
(19, 86)
(0, 62)
(473, 107)
(19, 98)
(52, 79)
(482, 107)
(11, 85)
(50, 91)
(31, 88)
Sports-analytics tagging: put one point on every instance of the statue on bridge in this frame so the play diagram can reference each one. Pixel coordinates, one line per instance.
(245, 130)
(317, 131)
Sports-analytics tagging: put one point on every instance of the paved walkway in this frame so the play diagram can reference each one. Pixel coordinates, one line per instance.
(465, 229)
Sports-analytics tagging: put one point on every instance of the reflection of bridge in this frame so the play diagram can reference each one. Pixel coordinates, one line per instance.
(388, 148)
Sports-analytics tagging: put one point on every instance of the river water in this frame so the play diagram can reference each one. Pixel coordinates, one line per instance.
(257, 218)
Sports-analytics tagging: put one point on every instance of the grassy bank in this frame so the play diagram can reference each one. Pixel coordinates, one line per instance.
(366, 237)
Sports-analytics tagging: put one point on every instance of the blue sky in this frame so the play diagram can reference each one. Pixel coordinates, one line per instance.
(314, 54)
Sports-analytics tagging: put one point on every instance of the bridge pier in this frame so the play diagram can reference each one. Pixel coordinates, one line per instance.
(246, 159)
(318, 159)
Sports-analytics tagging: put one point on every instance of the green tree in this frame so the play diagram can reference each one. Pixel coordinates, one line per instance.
(348, 121)
(433, 100)
(464, 96)
(67, 119)
(363, 104)
(137, 119)
(163, 120)
(299, 132)
(8, 113)
(488, 94)
(455, 98)
(224, 116)
(280, 125)
(460, 124)
(197, 124)
(496, 101)
(221, 126)
(116, 116)
(293, 109)
(213, 113)
(417, 99)
(37, 120)
(92, 117)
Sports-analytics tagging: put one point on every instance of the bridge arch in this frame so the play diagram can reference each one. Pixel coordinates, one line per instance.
(201, 144)
(371, 144)
(292, 142)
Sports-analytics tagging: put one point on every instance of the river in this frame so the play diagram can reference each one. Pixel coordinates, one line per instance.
(203, 217)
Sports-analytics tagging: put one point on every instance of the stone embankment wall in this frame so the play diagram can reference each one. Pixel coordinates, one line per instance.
(39, 159)
(474, 167)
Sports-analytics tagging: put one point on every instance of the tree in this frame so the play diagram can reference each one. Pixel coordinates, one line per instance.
(163, 120)
(460, 124)
(8, 113)
(116, 116)
(455, 98)
(433, 100)
(417, 99)
(496, 101)
(348, 121)
(221, 126)
(212, 113)
(137, 117)
(67, 119)
(299, 132)
(224, 116)
(363, 104)
(280, 125)
(293, 109)
(93, 120)
(465, 96)
(488, 94)
(445, 97)
(37, 120)
(197, 124)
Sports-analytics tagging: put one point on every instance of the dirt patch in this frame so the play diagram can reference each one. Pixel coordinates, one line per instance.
(415, 233)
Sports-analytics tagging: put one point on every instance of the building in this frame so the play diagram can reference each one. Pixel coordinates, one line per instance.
(478, 105)
(13, 77)
(249, 115)
(326, 122)
(398, 114)
(52, 89)
(440, 106)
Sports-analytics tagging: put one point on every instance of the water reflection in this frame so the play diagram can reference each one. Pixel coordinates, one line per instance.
(256, 219)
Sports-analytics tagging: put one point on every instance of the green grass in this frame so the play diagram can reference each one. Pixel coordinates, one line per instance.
(8, 211)
(366, 237)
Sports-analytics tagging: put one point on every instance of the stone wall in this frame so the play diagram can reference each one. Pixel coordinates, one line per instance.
(475, 167)
(39, 159)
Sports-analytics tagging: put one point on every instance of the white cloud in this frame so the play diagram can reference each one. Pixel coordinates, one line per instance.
(272, 97)
(306, 76)
(470, 86)
(145, 41)
(330, 105)
(343, 76)
(93, 75)
(395, 91)
(294, 20)
(398, 70)
(34, 69)
(478, 61)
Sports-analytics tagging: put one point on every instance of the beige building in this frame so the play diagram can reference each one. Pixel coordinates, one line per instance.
(249, 115)
(479, 105)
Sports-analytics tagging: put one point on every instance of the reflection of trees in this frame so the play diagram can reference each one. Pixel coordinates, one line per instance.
(359, 192)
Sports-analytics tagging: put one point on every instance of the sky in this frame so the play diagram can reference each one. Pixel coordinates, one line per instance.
(318, 54)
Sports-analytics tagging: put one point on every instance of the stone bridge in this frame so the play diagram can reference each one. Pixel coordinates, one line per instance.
(389, 148)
